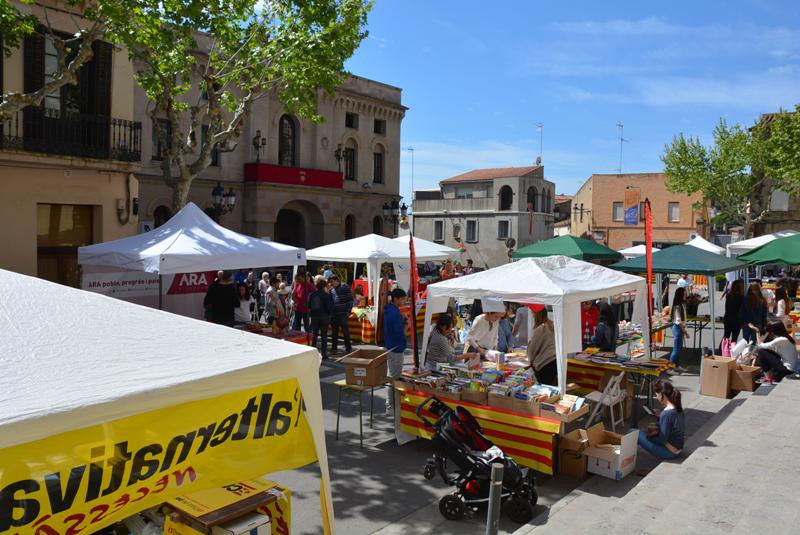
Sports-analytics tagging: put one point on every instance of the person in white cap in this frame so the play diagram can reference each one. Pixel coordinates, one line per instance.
(483, 335)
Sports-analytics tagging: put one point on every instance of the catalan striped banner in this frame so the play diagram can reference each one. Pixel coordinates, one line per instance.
(528, 439)
(589, 375)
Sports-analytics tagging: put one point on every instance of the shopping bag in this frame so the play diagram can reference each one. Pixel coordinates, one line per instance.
(726, 347)
(738, 348)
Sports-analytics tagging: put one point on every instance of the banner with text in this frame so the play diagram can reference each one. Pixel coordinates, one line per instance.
(83, 480)
(632, 206)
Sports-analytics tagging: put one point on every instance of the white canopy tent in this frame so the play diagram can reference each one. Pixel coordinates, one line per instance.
(71, 384)
(558, 281)
(189, 242)
(704, 244)
(740, 247)
(373, 250)
(636, 251)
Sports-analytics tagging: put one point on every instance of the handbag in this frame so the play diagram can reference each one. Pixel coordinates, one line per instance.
(738, 348)
(726, 347)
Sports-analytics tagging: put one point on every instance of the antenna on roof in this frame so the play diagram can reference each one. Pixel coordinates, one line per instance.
(540, 126)
(621, 141)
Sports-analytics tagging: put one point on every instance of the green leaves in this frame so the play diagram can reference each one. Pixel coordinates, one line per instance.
(14, 26)
(738, 173)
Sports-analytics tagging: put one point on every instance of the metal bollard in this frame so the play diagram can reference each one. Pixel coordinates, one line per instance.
(495, 493)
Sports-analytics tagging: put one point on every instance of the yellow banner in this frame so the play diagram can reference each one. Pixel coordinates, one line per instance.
(83, 480)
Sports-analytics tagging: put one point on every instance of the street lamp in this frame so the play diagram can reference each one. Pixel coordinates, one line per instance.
(338, 155)
(259, 143)
(223, 202)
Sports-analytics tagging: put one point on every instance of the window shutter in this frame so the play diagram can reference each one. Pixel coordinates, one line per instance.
(101, 88)
(33, 79)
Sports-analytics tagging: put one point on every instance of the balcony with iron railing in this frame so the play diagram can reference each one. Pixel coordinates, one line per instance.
(48, 131)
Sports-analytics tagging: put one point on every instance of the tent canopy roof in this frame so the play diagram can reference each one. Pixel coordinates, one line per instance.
(780, 251)
(426, 247)
(370, 247)
(574, 247)
(114, 359)
(190, 241)
(682, 259)
(702, 243)
(741, 247)
(636, 250)
(551, 280)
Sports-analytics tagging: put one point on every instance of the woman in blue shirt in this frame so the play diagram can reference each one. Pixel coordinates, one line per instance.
(668, 440)
(605, 335)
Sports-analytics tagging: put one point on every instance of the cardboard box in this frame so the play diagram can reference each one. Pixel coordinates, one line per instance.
(544, 412)
(500, 402)
(611, 455)
(529, 407)
(444, 394)
(249, 524)
(366, 367)
(571, 460)
(717, 376)
(471, 396)
(279, 511)
(743, 378)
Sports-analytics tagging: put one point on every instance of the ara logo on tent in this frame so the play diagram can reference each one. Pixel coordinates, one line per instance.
(191, 283)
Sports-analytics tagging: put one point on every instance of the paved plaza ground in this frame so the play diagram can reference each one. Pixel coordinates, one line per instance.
(737, 473)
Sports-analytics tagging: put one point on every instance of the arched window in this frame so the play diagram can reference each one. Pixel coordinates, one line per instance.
(287, 142)
(349, 227)
(350, 159)
(161, 215)
(377, 225)
(531, 199)
(506, 198)
(378, 164)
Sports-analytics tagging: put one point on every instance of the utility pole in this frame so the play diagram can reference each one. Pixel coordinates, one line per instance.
(540, 126)
(621, 141)
(411, 150)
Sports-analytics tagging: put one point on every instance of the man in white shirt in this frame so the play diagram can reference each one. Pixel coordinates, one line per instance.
(684, 282)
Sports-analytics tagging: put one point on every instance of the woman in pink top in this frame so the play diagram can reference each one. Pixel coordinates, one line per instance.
(300, 292)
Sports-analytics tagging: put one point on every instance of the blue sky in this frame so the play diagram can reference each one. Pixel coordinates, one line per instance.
(479, 76)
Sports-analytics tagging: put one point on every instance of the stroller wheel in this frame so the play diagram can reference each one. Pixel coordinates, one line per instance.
(452, 507)
(533, 499)
(430, 471)
(519, 509)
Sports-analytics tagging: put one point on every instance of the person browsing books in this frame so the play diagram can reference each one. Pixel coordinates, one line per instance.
(667, 440)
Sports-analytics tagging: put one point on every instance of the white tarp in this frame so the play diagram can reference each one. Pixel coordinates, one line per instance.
(559, 281)
(372, 249)
(741, 247)
(636, 251)
(73, 359)
(189, 242)
(705, 245)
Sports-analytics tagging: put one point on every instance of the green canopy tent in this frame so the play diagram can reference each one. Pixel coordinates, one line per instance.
(690, 260)
(578, 248)
(781, 251)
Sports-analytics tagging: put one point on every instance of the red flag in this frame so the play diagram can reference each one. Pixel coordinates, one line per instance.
(413, 299)
(648, 240)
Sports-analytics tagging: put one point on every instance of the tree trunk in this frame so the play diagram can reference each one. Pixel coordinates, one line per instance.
(180, 192)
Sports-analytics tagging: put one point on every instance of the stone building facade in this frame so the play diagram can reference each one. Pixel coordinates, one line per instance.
(483, 208)
(68, 167)
(294, 190)
(598, 211)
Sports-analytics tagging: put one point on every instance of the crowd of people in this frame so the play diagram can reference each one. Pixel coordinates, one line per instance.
(311, 303)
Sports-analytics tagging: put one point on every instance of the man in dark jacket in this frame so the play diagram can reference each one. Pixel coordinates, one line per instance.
(221, 300)
(320, 308)
(394, 339)
(342, 304)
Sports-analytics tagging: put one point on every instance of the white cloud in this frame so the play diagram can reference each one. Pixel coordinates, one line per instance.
(649, 26)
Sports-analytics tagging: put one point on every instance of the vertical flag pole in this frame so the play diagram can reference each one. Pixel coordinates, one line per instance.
(413, 298)
(648, 238)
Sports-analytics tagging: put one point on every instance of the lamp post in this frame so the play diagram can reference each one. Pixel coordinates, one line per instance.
(222, 202)
(338, 155)
(259, 143)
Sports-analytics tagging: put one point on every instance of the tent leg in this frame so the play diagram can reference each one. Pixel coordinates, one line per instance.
(160, 290)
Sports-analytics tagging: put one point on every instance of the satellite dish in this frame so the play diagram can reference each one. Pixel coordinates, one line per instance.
(510, 243)
(538, 160)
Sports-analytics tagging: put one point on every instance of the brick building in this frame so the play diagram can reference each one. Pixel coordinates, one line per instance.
(598, 211)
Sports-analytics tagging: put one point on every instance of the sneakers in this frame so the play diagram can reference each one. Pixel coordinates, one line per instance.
(681, 369)
(765, 381)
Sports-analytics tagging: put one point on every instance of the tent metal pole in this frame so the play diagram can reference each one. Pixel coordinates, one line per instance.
(160, 292)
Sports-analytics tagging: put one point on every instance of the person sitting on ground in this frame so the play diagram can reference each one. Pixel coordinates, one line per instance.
(440, 345)
(244, 312)
(605, 335)
(667, 441)
(777, 353)
(542, 349)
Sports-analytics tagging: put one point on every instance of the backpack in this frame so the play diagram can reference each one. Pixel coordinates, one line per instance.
(315, 305)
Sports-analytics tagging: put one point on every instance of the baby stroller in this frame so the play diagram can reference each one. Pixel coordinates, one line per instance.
(457, 438)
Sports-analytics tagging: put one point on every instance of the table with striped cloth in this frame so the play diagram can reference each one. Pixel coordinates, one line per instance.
(361, 329)
(528, 439)
(589, 375)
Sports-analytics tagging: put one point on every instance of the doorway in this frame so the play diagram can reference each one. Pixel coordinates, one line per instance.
(290, 228)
